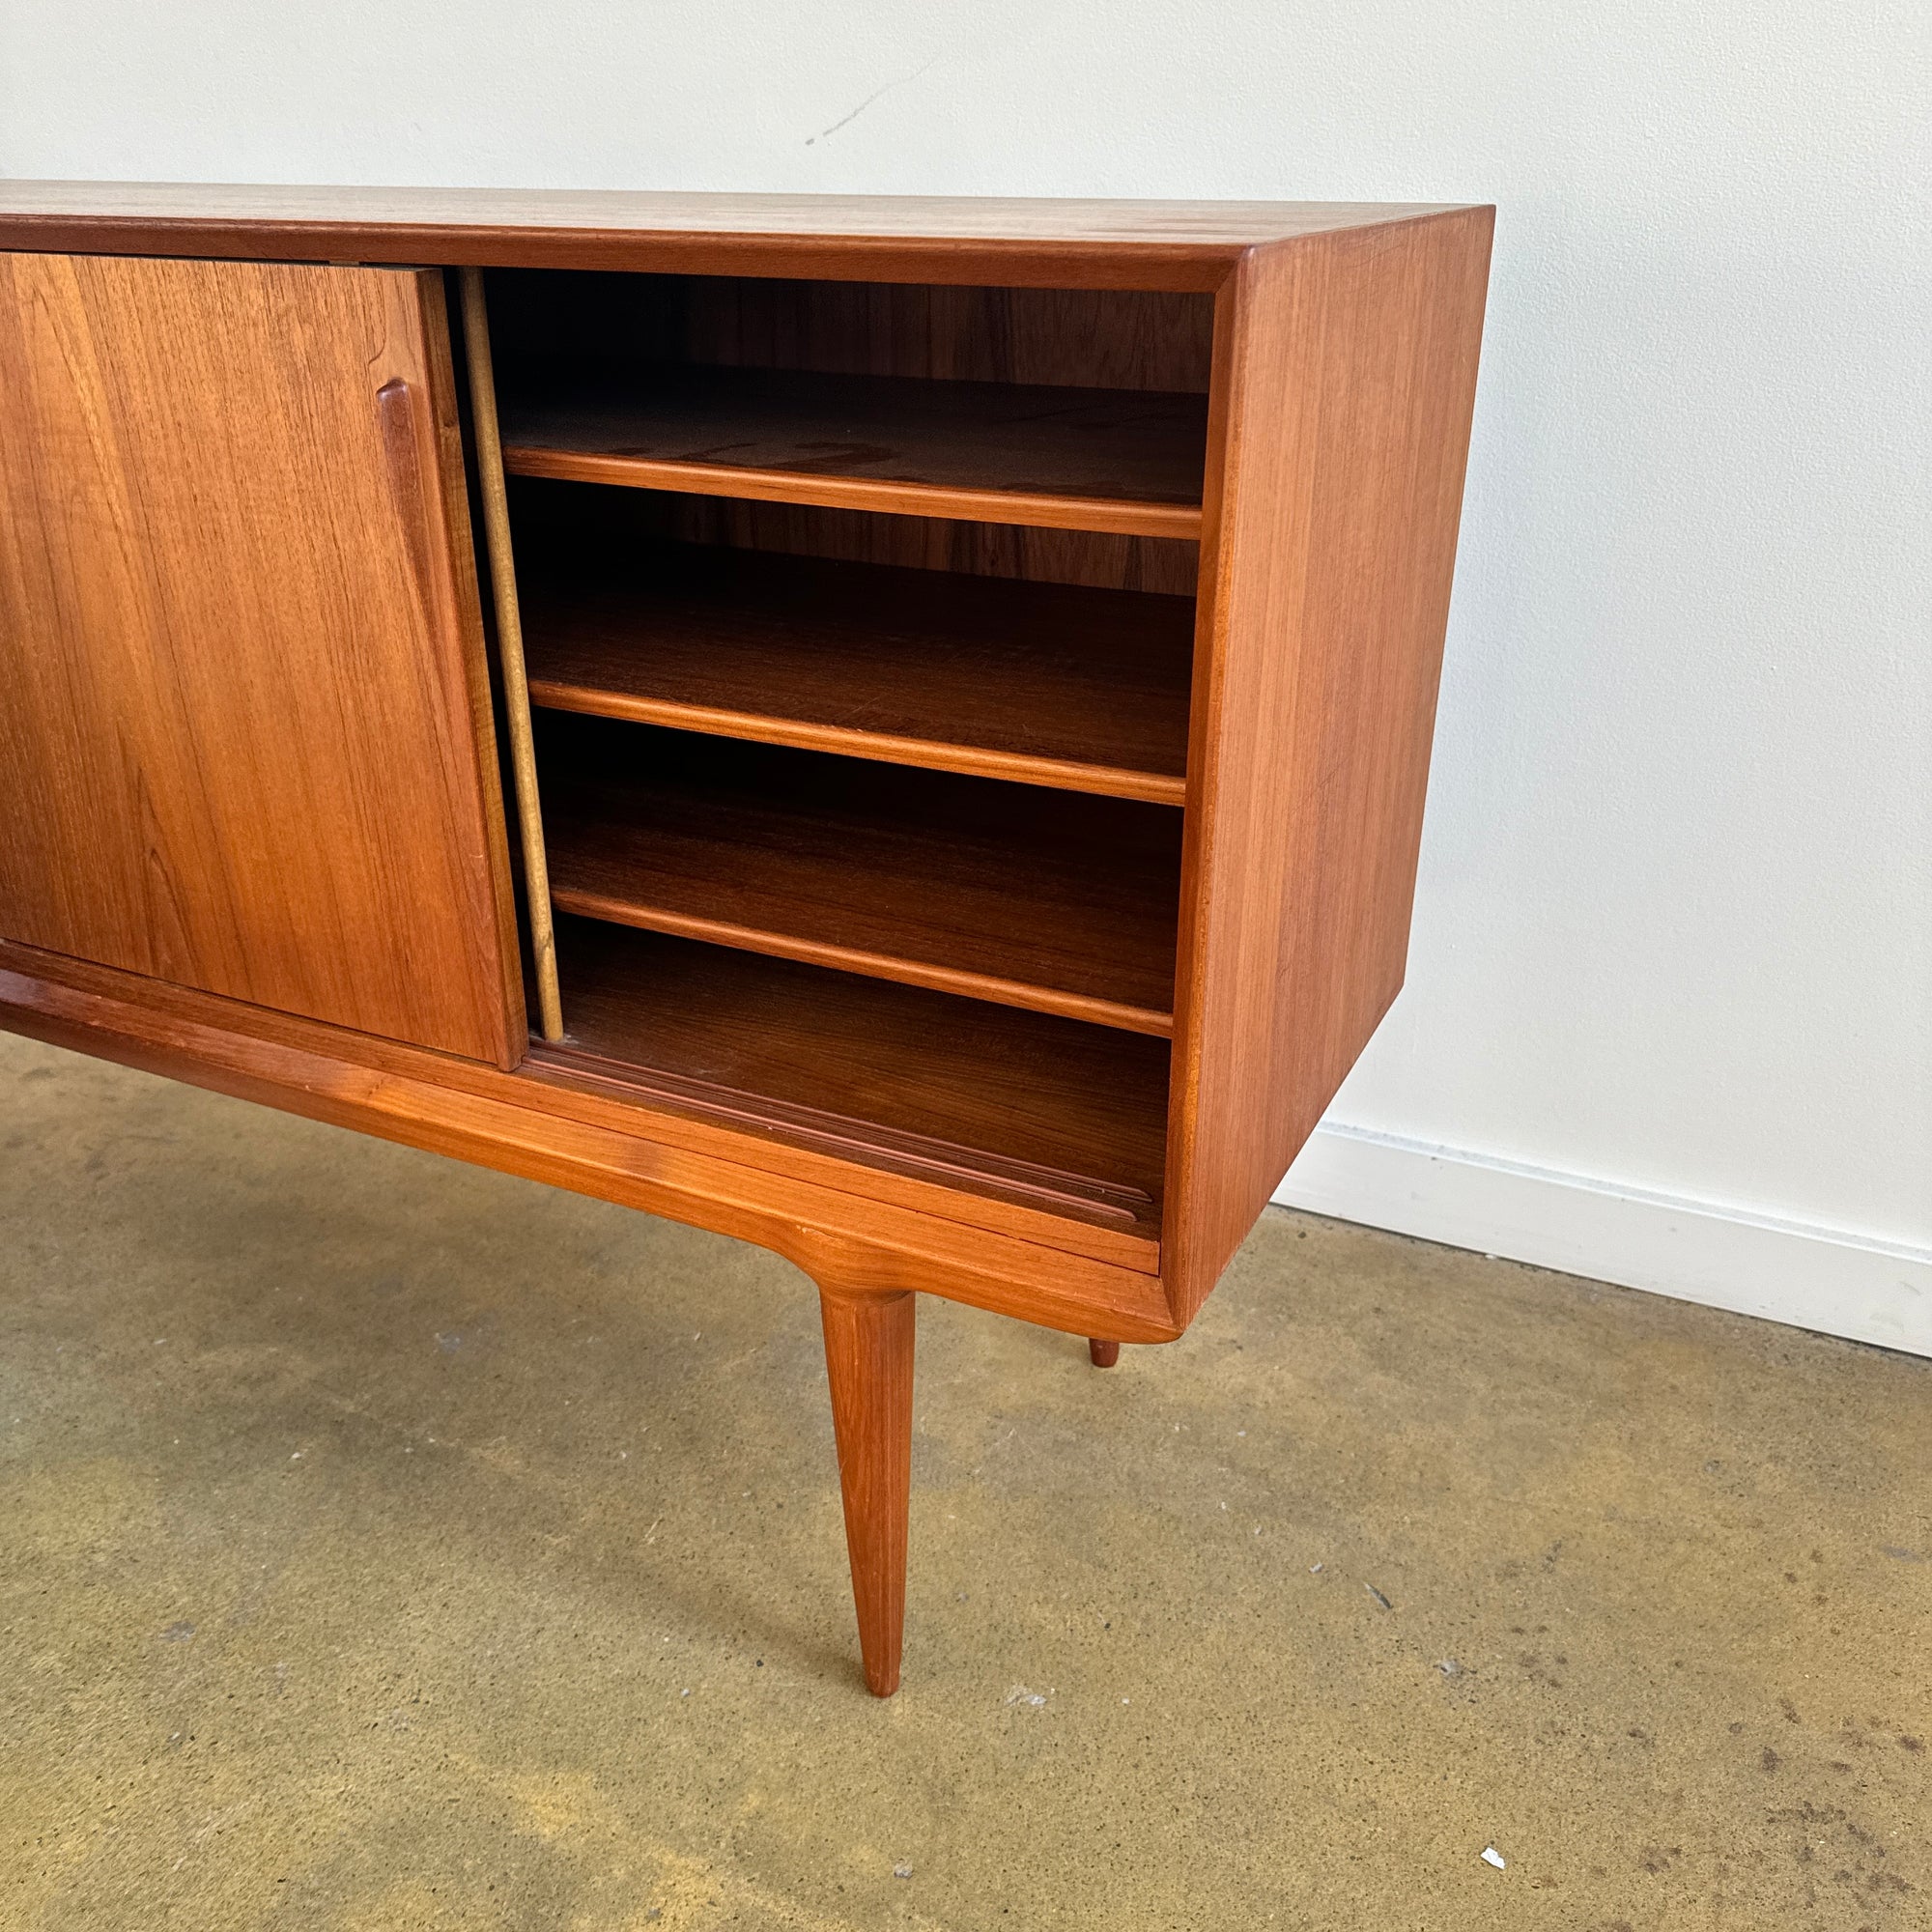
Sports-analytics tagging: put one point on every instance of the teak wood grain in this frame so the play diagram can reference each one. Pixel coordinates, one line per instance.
(1120, 460)
(236, 565)
(245, 740)
(1348, 365)
(998, 892)
(1016, 242)
(1047, 684)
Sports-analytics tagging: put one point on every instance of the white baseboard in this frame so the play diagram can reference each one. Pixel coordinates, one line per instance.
(1821, 1278)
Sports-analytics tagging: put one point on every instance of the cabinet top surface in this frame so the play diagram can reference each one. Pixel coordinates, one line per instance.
(621, 227)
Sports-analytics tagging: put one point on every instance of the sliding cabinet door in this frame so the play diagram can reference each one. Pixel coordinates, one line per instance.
(244, 719)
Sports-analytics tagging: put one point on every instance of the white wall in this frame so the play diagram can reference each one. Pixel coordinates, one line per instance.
(1674, 932)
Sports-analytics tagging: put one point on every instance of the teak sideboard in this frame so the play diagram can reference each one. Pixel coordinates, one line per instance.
(892, 728)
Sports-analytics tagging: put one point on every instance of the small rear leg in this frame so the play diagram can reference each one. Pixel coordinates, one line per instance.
(1103, 1355)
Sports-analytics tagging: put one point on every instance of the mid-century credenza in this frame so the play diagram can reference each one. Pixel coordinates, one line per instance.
(896, 730)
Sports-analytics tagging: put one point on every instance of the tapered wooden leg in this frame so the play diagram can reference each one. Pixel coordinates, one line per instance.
(1103, 1355)
(869, 1361)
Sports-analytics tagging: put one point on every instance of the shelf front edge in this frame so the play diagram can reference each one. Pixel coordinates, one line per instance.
(1104, 515)
(1027, 996)
(881, 747)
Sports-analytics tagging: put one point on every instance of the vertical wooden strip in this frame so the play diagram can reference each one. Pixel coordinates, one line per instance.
(868, 1349)
(510, 645)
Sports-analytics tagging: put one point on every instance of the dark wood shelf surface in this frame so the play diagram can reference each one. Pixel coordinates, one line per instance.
(1048, 901)
(1048, 684)
(1122, 460)
(1069, 1117)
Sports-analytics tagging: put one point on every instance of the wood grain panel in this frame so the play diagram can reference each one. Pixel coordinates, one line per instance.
(1031, 242)
(246, 742)
(1349, 367)
(1128, 460)
(1007, 892)
(1040, 683)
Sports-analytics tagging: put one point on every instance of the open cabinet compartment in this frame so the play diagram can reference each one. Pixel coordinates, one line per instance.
(700, 614)
(1014, 1106)
(1055, 902)
(858, 623)
(1075, 410)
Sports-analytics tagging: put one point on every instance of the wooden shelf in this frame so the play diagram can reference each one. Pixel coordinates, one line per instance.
(1047, 900)
(1069, 1118)
(1120, 460)
(1042, 683)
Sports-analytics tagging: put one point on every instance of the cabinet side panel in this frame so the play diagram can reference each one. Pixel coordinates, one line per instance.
(1349, 366)
(240, 748)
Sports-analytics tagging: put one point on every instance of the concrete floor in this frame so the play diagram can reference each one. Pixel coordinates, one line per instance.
(390, 1543)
